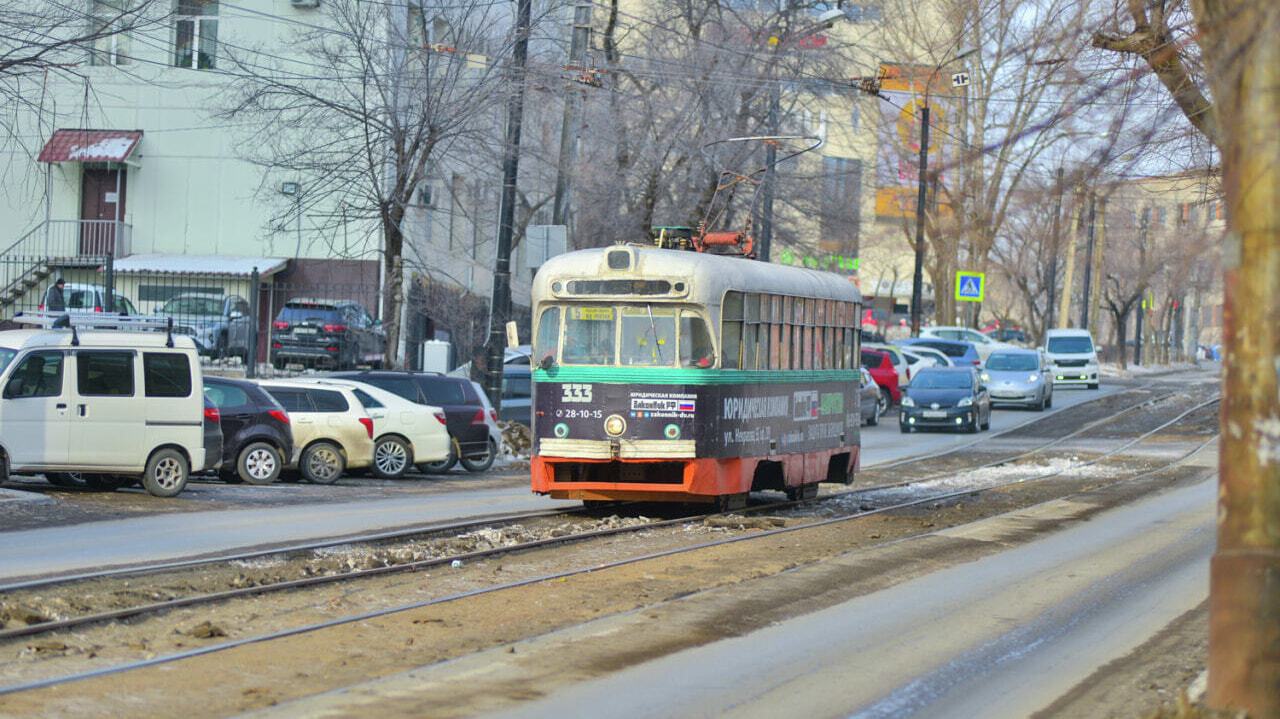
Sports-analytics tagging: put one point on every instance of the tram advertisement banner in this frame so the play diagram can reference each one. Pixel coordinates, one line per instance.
(730, 420)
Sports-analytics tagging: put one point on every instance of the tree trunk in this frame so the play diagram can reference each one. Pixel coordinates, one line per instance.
(392, 285)
(1242, 46)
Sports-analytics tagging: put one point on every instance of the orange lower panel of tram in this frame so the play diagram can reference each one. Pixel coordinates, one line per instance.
(686, 480)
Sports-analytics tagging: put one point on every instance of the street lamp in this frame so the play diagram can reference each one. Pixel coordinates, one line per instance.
(917, 277)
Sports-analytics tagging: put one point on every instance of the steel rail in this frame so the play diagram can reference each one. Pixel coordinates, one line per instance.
(51, 626)
(54, 681)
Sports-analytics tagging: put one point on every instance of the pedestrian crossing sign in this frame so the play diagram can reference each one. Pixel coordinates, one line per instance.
(969, 286)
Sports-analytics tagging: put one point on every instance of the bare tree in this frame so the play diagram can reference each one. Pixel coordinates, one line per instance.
(379, 95)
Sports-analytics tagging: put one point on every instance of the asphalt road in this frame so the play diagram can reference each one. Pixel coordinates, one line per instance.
(170, 537)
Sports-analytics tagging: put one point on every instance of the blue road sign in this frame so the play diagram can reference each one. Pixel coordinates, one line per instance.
(969, 286)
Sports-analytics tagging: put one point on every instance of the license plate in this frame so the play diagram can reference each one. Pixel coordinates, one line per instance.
(304, 330)
(934, 413)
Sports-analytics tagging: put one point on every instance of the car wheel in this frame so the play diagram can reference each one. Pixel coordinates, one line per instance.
(391, 458)
(972, 427)
(874, 419)
(166, 473)
(443, 465)
(65, 479)
(277, 363)
(108, 482)
(883, 403)
(322, 463)
(483, 462)
(986, 423)
(904, 428)
(1048, 401)
(259, 463)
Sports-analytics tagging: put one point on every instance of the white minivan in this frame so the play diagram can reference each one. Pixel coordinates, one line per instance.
(1072, 357)
(116, 406)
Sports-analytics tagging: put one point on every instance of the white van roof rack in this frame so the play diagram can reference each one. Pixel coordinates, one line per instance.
(96, 321)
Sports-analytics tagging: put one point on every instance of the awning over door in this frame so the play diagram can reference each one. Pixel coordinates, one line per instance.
(90, 146)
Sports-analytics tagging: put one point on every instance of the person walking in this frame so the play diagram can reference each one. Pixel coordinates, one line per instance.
(54, 301)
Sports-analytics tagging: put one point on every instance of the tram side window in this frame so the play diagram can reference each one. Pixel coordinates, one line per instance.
(544, 344)
(732, 333)
(588, 336)
(751, 332)
(696, 347)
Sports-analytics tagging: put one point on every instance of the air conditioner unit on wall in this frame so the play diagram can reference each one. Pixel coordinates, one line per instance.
(305, 3)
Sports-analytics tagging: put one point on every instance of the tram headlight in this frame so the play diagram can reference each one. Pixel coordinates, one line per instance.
(615, 425)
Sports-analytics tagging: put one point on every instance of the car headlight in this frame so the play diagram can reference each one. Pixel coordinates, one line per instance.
(908, 402)
(964, 402)
(1033, 378)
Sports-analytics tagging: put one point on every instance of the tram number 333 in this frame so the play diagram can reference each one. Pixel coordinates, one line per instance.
(575, 393)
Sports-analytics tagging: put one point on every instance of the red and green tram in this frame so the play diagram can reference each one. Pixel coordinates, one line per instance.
(673, 375)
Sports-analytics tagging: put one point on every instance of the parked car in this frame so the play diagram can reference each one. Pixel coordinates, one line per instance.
(946, 398)
(1073, 358)
(462, 405)
(212, 437)
(519, 354)
(93, 298)
(338, 334)
(882, 371)
(257, 433)
(1019, 377)
(517, 394)
(404, 433)
(983, 344)
(960, 353)
(917, 361)
(332, 431)
(900, 364)
(220, 324)
(940, 358)
(138, 408)
(869, 405)
(1005, 334)
(490, 421)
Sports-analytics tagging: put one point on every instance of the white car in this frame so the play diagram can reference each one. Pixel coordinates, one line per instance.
(404, 433)
(103, 408)
(917, 362)
(982, 343)
(939, 357)
(332, 431)
(1073, 358)
(490, 421)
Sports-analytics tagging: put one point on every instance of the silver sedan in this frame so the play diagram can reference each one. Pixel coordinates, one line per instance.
(1019, 377)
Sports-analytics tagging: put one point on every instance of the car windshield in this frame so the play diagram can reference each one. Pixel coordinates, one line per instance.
(942, 380)
(1016, 362)
(1070, 345)
(192, 305)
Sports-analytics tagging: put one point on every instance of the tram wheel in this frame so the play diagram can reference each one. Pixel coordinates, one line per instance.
(731, 502)
(804, 491)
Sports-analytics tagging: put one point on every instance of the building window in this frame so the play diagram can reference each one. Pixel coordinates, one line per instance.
(195, 41)
(110, 39)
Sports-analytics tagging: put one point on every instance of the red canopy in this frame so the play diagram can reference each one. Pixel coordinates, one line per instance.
(90, 145)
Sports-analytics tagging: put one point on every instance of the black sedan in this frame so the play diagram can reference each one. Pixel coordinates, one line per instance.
(946, 398)
(257, 436)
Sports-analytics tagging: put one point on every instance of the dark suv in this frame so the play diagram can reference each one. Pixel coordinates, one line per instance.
(326, 333)
(257, 436)
(462, 407)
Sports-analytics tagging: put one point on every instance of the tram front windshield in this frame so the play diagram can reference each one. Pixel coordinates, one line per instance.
(641, 335)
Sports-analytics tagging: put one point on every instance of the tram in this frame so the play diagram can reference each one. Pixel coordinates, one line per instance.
(691, 376)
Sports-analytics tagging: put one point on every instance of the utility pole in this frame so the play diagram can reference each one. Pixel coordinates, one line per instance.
(1053, 255)
(572, 112)
(770, 176)
(917, 277)
(500, 304)
(1088, 265)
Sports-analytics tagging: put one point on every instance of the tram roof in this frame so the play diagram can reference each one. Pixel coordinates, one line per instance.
(708, 275)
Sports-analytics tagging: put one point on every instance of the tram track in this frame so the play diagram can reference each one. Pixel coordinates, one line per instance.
(438, 532)
(930, 499)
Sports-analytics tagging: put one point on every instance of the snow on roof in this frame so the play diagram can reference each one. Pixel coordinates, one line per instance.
(200, 264)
